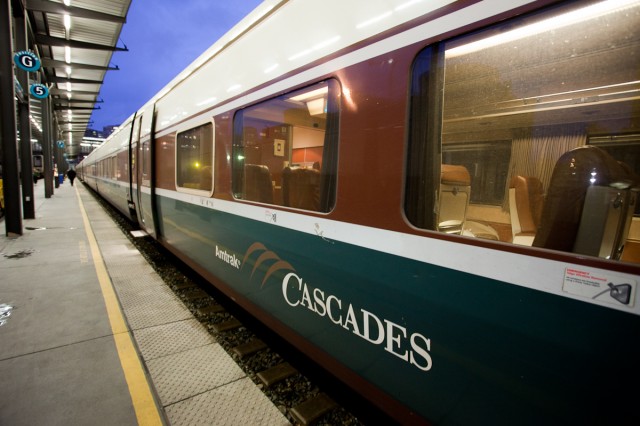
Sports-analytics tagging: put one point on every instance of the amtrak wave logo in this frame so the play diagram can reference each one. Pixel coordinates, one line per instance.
(266, 255)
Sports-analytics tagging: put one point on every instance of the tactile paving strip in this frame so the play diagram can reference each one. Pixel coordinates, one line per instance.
(195, 380)
(238, 403)
(145, 299)
(168, 339)
(192, 372)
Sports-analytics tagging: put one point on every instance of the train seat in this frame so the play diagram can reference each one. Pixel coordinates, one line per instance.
(455, 191)
(526, 198)
(301, 188)
(258, 185)
(589, 201)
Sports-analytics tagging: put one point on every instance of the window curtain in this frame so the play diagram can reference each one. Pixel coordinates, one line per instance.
(425, 128)
(329, 173)
(535, 153)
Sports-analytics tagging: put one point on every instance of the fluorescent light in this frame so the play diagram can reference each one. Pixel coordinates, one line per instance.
(374, 20)
(326, 43)
(207, 101)
(271, 68)
(318, 93)
(300, 54)
(406, 5)
(67, 54)
(69, 87)
(316, 106)
(559, 21)
(314, 48)
(67, 21)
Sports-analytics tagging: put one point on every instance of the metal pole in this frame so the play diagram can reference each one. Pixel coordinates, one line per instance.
(11, 183)
(26, 155)
(47, 160)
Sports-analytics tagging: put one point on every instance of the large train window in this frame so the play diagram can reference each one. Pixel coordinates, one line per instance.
(500, 122)
(625, 149)
(194, 157)
(285, 149)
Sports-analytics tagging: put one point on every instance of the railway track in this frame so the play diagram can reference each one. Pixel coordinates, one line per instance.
(304, 393)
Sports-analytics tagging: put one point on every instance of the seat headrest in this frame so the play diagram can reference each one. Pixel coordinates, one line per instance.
(451, 174)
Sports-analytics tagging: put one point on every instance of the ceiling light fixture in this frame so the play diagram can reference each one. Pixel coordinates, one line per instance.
(559, 21)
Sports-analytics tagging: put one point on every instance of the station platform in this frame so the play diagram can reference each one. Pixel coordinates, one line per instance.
(91, 335)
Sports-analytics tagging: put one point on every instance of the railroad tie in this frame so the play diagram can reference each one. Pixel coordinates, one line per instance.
(210, 309)
(312, 409)
(249, 348)
(196, 295)
(276, 374)
(227, 325)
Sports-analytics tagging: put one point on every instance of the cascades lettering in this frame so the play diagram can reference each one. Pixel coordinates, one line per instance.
(413, 348)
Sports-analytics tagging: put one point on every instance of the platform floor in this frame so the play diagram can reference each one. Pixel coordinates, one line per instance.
(91, 335)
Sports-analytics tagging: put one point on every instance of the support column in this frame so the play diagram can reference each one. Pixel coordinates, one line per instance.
(26, 155)
(47, 136)
(8, 142)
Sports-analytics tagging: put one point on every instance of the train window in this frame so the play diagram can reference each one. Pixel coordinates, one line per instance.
(285, 149)
(194, 169)
(487, 163)
(500, 127)
(625, 149)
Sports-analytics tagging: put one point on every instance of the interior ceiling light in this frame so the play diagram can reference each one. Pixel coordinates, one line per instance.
(560, 21)
(67, 54)
(67, 22)
(316, 100)
(318, 93)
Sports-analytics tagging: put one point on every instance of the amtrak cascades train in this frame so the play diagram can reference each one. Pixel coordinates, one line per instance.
(435, 200)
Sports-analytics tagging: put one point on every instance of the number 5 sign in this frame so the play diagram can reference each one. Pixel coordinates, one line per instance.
(39, 91)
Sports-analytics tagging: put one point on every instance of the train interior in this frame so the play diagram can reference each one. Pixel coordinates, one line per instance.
(541, 122)
(539, 137)
(283, 145)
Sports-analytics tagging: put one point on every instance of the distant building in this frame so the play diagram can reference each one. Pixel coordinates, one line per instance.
(107, 130)
(92, 139)
(93, 133)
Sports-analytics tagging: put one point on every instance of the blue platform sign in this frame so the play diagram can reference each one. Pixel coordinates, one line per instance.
(39, 91)
(60, 144)
(27, 61)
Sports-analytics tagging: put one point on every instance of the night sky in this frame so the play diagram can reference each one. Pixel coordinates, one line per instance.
(163, 38)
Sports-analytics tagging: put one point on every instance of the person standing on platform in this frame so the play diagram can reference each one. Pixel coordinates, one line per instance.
(71, 174)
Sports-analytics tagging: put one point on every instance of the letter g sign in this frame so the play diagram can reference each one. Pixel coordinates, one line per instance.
(27, 61)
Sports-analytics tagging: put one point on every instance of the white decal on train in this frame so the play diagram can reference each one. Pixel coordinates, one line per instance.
(413, 348)
(231, 259)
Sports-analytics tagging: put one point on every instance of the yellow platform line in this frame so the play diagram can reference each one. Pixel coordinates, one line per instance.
(141, 396)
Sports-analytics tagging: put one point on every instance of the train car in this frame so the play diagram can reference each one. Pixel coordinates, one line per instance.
(435, 200)
(38, 167)
(108, 170)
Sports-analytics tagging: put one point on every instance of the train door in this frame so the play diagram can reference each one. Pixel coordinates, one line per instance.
(144, 176)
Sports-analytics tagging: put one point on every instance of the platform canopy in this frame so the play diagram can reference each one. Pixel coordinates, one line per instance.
(75, 40)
